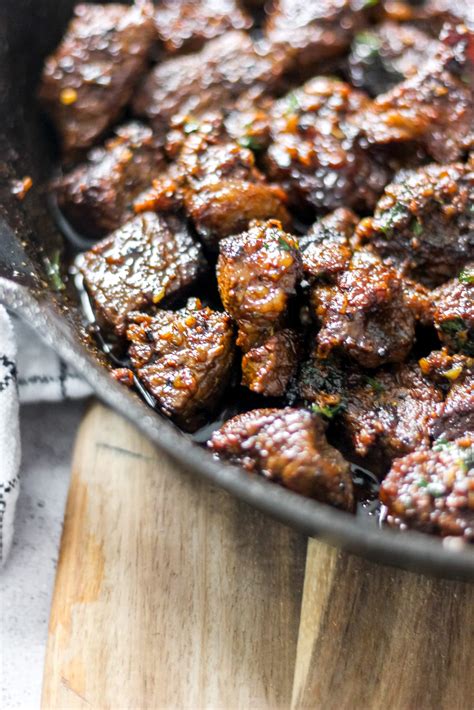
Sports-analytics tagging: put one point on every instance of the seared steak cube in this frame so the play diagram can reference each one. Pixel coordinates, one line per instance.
(444, 368)
(434, 107)
(433, 490)
(288, 446)
(424, 223)
(313, 153)
(144, 262)
(326, 248)
(186, 25)
(211, 79)
(430, 15)
(365, 314)
(90, 78)
(454, 311)
(456, 416)
(380, 416)
(323, 385)
(224, 189)
(387, 54)
(248, 122)
(455, 375)
(391, 412)
(96, 197)
(310, 32)
(215, 180)
(183, 358)
(257, 273)
(268, 368)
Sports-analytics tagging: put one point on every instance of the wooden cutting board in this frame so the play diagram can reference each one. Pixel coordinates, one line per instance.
(172, 594)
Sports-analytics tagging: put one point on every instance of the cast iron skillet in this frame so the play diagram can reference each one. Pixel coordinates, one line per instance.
(30, 29)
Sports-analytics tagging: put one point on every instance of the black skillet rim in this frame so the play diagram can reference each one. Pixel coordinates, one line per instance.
(416, 552)
(23, 291)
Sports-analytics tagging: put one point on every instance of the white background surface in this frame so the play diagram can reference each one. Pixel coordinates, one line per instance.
(26, 581)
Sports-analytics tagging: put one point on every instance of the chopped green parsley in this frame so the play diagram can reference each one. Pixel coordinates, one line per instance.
(374, 383)
(250, 142)
(292, 103)
(328, 411)
(391, 216)
(467, 276)
(454, 326)
(53, 271)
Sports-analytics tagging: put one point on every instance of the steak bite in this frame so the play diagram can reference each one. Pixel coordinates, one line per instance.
(186, 25)
(387, 54)
(216, 181)
(391, 413)
(326, 248)
(365, 314)
(310, 32)
(257, 273)
(183, 358)
(434, 107)
(454, 374)
(267, 369)
(456, 416)
(313, 153)
(424, 223)
(224, 190)
(288, 446)
(90, 78)
(433, 490)
(431, 15)
(211, 79)
(380, 416)
(144, 262)
(96, 196)
(454, 311)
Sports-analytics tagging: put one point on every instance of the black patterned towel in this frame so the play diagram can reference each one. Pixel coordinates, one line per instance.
(29, 372)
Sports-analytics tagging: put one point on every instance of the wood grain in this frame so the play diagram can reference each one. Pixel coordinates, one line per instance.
(169, 593)
(373, 637)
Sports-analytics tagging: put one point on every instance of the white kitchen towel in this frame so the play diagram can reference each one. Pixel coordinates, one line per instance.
(29, 372)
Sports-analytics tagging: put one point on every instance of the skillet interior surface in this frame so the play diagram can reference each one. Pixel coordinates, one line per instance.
(29, 242)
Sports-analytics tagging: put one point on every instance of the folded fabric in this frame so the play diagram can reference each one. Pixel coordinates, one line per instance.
(29, 372)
